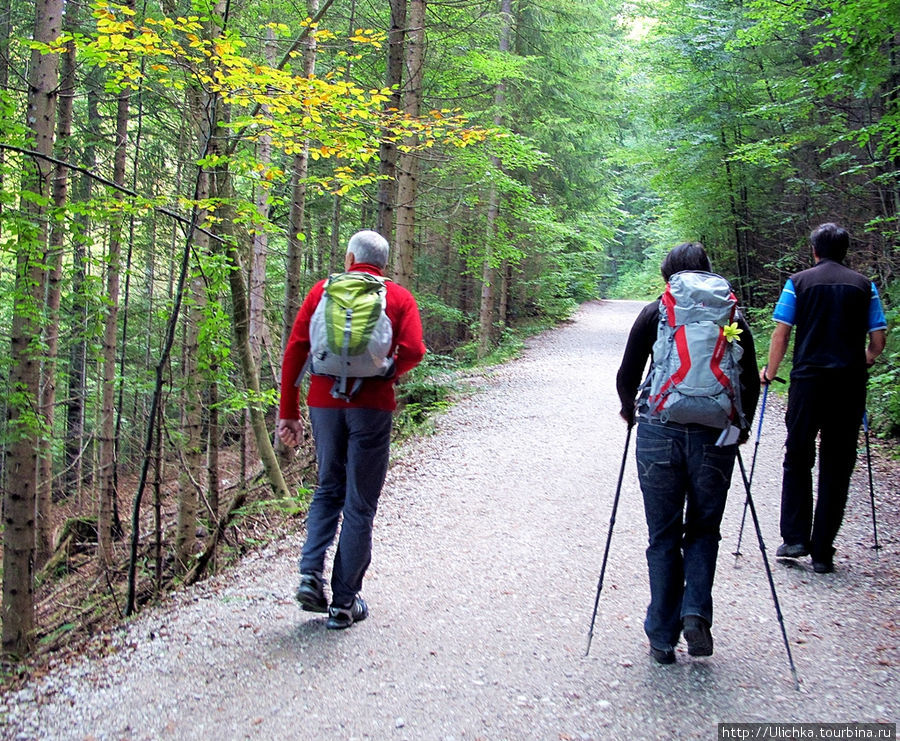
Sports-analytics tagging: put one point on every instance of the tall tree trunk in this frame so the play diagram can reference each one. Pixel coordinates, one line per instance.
(334, 250)
(503, 304)
(300, 170)
(44, 520)
(224, 190)
(388, 153)
(408, 165)
(486, 313)
(214, 485)
(260, 250)
(25, 424)
(205, 112)
(189, 473)
(77, 394)
(107, 489)
(5, 36)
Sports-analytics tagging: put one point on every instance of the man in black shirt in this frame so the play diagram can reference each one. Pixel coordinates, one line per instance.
(832, 308)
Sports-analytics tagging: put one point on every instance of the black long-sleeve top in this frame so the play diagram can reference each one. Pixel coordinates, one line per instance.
(640, 347)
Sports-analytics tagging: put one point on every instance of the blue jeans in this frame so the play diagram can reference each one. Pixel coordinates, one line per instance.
(352, 450)
(684, 479)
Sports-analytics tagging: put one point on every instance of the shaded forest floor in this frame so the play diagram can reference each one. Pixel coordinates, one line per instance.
(77, 603)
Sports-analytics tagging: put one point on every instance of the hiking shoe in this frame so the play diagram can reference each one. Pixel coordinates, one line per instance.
(697, 636)
(343, 617)
(311, 593)
(823, 567)
(797, 550)
(662, 655)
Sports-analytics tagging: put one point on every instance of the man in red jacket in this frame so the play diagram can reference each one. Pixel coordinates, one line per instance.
(352, 442)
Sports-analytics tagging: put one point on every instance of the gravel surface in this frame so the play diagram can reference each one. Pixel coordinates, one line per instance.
(487, 551)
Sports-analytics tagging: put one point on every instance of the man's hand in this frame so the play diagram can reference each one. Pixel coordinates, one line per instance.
(290, 431)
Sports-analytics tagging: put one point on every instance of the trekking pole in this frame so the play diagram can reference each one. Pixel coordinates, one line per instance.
(612, 521)
(871, 484)
(762, 548)
(762, 413)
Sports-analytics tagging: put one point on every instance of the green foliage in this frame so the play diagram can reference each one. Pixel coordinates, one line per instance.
(285, 507)
(884, 377)
(425, 390)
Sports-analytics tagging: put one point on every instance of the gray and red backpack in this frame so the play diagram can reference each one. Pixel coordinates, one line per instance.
(695, 375)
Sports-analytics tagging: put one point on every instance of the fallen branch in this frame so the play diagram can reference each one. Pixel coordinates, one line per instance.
(206, 556)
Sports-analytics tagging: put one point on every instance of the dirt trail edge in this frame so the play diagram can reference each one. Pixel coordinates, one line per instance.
(487, 550)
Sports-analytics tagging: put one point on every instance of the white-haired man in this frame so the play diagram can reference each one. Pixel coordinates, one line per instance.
(352, 438)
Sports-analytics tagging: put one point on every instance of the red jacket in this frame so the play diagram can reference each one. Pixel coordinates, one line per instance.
(375, 393)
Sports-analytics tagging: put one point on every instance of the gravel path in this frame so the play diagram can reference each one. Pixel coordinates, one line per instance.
(487, 551)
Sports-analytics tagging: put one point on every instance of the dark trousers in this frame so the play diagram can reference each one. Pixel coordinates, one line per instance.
(352, 450)
(830, 405)
(684, 478)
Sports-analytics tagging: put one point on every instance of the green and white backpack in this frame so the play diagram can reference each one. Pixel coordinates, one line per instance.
(350, 334)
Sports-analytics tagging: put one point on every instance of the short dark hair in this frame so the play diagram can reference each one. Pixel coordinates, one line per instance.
(686, 256)
(830, 241)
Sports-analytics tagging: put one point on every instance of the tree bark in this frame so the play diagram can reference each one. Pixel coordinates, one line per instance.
(44, 520)
(486, 313)
(408, 165)
(242, 342)
(5, 36)
(260, 251)
(25, 424)
(77, 394)
(190, 470)
(388, 153)
(107, 463)
(296, 218)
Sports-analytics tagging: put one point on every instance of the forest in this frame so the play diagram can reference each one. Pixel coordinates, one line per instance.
(176, 174)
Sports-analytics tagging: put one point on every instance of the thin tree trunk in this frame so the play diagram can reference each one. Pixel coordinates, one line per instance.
(158, 465)
(178, 289)
(503, 304)
(24, 422)
(75, 408)
(408, 166)
(388, 152)
(486, 313)
(107, 488)
(204, 112)
(214, 484)
(294, 278)
(260, 250)
(251, 376)
(5, 36)
(191, 426)
(335, 243)
(44, 520)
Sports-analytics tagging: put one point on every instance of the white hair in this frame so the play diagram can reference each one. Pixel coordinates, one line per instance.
(370, 247)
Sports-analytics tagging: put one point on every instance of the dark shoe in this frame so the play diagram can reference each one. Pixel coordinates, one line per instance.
(343, 617)
(823, 567)
(311, 593)
(797, 550)
(697, 636)
(662, 655)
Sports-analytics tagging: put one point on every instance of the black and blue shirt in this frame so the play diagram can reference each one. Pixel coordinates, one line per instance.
(833, 308)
